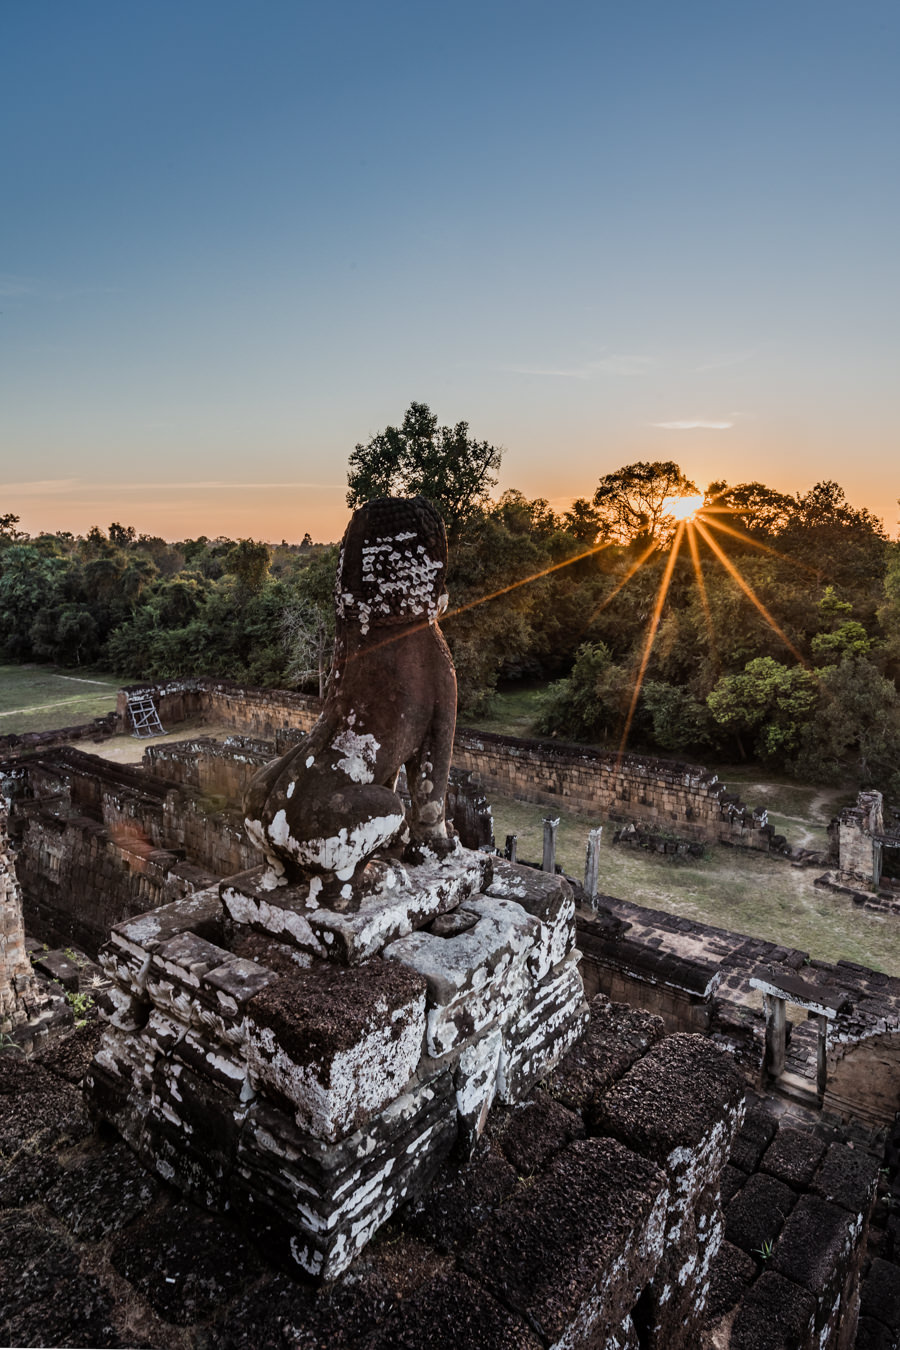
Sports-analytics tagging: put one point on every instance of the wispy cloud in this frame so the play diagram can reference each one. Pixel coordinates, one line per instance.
(12, 286)
(613, 364)
(53, 486)
(693, 425)
(43, 487)
(726, 359)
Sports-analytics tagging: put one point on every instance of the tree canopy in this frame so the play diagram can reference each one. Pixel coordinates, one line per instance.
(445, 464)
(777, 633)
(630, 501)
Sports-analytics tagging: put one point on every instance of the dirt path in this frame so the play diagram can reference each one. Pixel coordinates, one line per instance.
(41, 707)
(129, 749)
(82, 679)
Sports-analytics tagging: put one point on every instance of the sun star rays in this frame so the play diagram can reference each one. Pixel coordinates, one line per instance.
(696, 520)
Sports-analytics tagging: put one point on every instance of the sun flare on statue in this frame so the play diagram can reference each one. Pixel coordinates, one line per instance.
(682, 508)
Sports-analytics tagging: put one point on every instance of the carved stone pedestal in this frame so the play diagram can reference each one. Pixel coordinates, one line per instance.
(310, 1064)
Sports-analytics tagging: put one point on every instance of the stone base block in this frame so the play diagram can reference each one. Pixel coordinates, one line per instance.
(545, 896)
(548, 1025)
(319, 1205)
(391, 902)
(598, 1199)
(473, 978)
(336, 1043)
(317, 1094)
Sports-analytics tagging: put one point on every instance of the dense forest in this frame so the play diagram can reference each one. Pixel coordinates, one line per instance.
(765, 627)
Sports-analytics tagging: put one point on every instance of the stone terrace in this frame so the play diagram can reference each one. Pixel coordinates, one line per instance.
(610, 1158)
(575, 1200)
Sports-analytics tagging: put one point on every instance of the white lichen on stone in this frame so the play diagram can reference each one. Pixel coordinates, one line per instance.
(358, 752)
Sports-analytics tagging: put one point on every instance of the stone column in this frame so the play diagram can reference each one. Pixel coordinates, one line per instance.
(549, 860)
(512, 846)
(776, 1028)
(592, 862)
(16, 976)
(822, 1056)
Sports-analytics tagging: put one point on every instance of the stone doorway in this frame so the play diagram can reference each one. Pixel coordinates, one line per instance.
(801, 1071)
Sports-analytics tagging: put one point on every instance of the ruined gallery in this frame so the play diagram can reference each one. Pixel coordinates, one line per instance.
(361, 1080)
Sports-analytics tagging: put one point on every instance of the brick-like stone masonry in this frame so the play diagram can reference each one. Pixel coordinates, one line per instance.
(16, 977)
(682, 798)
(29, 1008)
(312, 1065)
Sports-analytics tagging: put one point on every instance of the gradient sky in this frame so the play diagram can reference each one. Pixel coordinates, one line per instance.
(239, 236)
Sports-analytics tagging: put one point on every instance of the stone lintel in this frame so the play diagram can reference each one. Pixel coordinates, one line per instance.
(792, 988)
(672, 970)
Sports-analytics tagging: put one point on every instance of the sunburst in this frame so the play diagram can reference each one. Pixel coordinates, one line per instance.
(695, 515)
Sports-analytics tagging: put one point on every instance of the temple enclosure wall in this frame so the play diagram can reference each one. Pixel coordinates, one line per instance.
(265, 713)
(99, 842)
(685, 799)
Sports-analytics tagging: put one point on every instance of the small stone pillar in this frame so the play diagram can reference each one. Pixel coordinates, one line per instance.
(512, 847)
(776, 1033)
(592, 861)
(548, 863)
(822, 1055)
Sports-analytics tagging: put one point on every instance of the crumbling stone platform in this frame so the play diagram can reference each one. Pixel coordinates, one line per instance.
(585, 1213)
(311, 1064)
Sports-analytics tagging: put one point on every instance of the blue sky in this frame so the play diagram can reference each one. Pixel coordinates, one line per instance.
(237, 238)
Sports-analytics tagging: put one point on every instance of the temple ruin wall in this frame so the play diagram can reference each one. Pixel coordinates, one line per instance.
(682, 798)
(265, 713)
(685, 799)
(100, 842)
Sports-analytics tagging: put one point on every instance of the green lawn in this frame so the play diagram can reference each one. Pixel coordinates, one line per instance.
(41, 698)
(511, 712)
(746, 892)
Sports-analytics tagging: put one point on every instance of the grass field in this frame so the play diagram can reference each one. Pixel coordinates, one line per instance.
(41, 698)
(744, 891)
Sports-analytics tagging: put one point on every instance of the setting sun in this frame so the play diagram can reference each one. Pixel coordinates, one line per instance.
(682, 508)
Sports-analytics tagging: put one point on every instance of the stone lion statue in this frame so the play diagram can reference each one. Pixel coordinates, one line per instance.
(331, 802)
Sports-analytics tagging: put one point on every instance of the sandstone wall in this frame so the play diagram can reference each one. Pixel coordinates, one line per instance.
(264, 713)
(102, 841)
(685, 799)
(216, 768)
(78, 880)
(15, 746)
(864, 1076)
(15, 968)
(678, 989)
